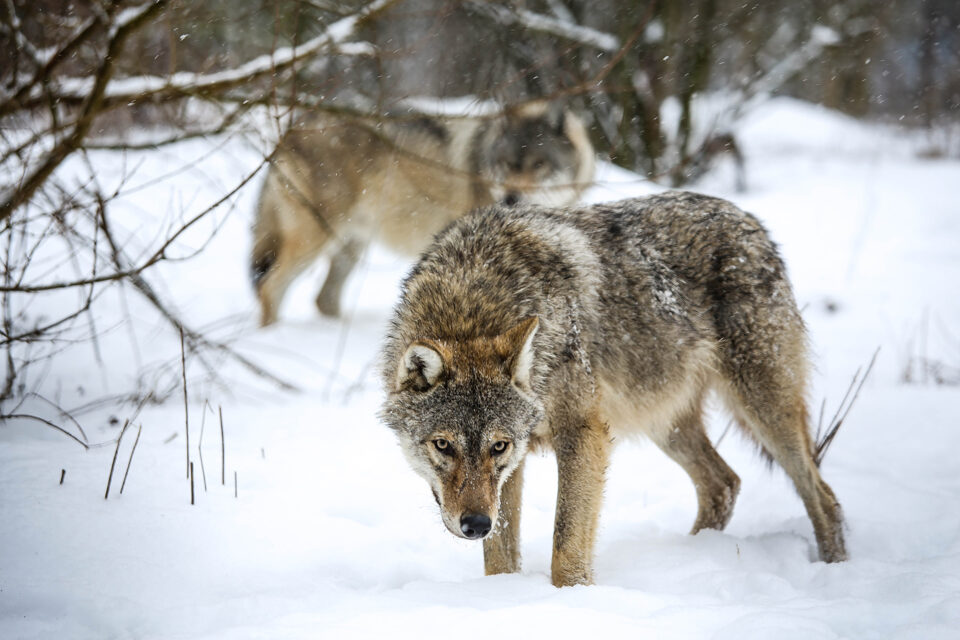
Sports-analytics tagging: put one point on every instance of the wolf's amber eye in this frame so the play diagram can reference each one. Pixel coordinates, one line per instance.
(443, 446)
(499, 447)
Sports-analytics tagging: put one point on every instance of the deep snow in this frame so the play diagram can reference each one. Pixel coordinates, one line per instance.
(332, 535)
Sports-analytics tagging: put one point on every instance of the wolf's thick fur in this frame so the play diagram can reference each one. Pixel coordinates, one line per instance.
(569, 328)
(337, 183)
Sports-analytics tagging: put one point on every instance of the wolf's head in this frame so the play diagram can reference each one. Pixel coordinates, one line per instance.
(539, 153)
(464, 411)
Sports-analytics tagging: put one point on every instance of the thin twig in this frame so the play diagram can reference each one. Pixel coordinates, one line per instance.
(124, 483)
(63, 412)
(203, 424)
(186, 412)
(723, 434)
(113, 463)
(846, 396)
(823, 445)
(823, 406)
(190, 475)
(223, 451)
(25, 416)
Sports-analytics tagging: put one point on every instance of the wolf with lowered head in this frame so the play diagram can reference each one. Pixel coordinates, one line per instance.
(570, 328)
(338, 183)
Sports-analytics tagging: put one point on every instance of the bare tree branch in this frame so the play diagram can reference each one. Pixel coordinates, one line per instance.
(124, 25)
(186, 84)
(84, 33)
(225, 124)
(775, 77)
(545, 24)
(159, 255)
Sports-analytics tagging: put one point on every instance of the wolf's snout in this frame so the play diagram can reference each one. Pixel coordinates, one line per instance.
(475, 525)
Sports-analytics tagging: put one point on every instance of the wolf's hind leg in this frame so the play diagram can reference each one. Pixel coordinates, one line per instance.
(501, 549)
(778, 420)
(764, 361)
(716, 483)
(341, 264)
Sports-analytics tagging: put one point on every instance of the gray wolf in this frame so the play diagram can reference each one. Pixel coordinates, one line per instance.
(337, 183)
(572, 328)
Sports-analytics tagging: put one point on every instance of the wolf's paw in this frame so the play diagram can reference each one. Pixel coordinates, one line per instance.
(568, 575)
(328, 306)
(715, 510)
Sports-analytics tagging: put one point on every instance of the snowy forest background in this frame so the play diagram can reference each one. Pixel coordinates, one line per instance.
(133, 140)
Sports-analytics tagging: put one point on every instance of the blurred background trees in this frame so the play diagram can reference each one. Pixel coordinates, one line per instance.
(661, 85)
(635, 68)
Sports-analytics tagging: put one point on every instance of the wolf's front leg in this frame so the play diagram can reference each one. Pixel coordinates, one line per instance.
(501, 549)
(582, 451)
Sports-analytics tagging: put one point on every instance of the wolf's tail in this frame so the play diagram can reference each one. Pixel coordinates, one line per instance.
(266, 241)
(263, 257)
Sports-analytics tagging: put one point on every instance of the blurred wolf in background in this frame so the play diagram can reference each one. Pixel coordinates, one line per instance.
(569, 328)
(338, 183)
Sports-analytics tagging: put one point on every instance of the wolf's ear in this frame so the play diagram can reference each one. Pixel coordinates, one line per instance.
(517, 345)
(420, 367)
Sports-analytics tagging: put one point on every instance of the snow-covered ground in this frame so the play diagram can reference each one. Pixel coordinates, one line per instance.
(331, 535)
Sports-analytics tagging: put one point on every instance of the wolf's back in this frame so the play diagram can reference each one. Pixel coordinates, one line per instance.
(675, 262)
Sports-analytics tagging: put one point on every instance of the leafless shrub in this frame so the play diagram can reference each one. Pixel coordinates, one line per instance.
(59, 244)
(923, 368)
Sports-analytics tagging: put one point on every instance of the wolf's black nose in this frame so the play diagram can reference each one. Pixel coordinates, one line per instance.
(475, 525)
(511, 199)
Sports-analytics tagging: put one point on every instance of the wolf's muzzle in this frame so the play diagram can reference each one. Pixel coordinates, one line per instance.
(475, 525)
